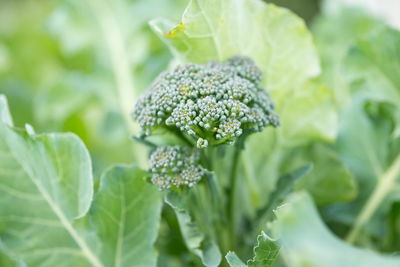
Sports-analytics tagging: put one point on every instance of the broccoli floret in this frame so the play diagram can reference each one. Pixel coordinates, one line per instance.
(213, 103)
(175, 166)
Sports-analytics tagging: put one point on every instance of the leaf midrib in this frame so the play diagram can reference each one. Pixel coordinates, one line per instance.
(87, 252)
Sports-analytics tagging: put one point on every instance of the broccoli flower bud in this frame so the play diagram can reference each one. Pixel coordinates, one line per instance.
(175, 166)
(213, 103)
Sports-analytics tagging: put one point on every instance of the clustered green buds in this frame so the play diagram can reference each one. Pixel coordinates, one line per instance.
(175, 166)
(213, 103)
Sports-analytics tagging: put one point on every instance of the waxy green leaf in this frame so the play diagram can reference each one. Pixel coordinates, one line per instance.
(265, 253)
(306, 241)
(196, 241)
(126, 215)
(46, 189)
(46, 183)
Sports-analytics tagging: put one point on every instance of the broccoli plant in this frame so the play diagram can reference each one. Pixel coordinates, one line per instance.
(210, 109)
(246, 151)
(212, 104)
(204, 106)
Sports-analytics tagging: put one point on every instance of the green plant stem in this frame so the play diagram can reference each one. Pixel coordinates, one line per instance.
(231, 205)
(217, 198)
(384, 185)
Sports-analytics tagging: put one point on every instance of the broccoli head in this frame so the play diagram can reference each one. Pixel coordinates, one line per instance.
(175, 166)
(213, 103)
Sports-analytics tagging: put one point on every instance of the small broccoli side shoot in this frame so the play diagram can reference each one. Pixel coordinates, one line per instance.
(213, 103)
(175, 166)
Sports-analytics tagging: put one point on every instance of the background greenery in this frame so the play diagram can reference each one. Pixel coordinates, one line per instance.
(76, 66)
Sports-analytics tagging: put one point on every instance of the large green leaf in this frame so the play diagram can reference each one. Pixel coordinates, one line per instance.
(367, 146)
(330, 180)
(284, 186)
(196, 241)
(280, 44)
(306, 241)
(335, 33)
(46, 190)
(307, 113)
(361, 59)
(374, 63)
(265, 253)
(363, 140)
(46, 183)
(274, 37)
(376, 60)
(7, 261)
(126, 214)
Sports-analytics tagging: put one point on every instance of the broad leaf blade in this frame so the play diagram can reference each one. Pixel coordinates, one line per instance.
(265, 252)
(307, 113)
(306, 241)
(45, 182)
(368, 138)
(367, 147)
(335, 33)
(283, 188)
(330, 181)
(195, 240)
(274, 37)
(375, 61)
(126, 214)
(7, 261)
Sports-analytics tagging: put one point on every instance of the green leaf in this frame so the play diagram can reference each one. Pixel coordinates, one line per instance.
(306, 241)
(307, 114)
(5, 115)
(367, 147)
(276, 39)
(374, 62)
(265, 252)
(126, 215)
(7, 261)
(233, 260)
(368, 139)
(330, 180)
(283, 188)
(46, 183)
(335, 33)
(196, 241)
(46, 189)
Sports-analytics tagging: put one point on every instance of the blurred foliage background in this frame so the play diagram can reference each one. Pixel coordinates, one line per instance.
(76, 66)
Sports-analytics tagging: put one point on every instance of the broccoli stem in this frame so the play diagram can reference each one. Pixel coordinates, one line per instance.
(231, 196)
(217, 198)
